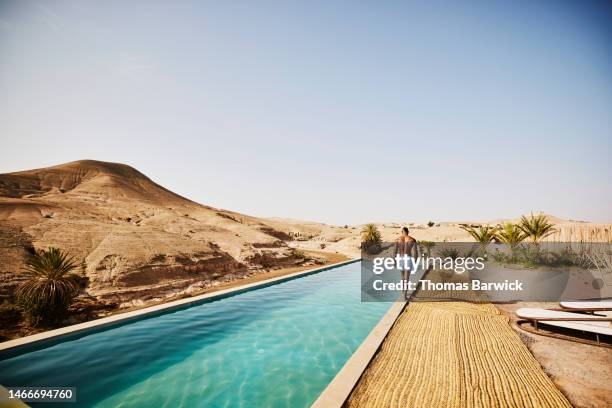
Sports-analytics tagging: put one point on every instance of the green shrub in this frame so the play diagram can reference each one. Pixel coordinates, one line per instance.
(371, 238)
(499, 256)
(299, 254)
(50, 287)
(452, 253)
(532, 256)
(427, 246)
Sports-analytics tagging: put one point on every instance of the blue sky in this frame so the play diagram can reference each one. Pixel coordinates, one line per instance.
(328, 111)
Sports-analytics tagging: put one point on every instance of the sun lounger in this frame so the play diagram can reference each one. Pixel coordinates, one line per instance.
(596, 306)
(597, 325)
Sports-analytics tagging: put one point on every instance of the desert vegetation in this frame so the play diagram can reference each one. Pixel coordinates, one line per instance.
(371, 238)
(50, 286)
(426, 246)
(536, 227)
(452, 253)
(595, 256)
(530, 242)
(511, 234)
(581, 233)
(483, 234)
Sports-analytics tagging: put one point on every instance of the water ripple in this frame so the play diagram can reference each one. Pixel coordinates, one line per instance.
(276, 347)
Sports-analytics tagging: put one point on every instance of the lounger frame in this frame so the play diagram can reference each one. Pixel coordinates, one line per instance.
(531, 326)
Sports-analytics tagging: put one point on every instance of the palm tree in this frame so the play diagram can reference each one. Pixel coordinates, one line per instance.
(483, 234)
(50, 287)
(370, 238)
(536, 227)
(370, 233)
(511, 234)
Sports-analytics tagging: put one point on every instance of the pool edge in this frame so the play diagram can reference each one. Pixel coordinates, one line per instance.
(22, 345)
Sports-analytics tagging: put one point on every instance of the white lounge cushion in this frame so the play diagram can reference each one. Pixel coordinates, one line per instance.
(597, 305)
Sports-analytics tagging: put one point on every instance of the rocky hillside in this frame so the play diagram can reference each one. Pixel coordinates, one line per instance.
(134, 238)
(137, 240)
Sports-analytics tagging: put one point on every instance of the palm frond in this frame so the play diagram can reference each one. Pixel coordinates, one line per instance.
(511, 234)
(370, 234)
(536, 227)
(483, 234)
(50, 286)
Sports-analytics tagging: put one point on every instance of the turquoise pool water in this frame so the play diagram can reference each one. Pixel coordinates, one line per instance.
(278, 346)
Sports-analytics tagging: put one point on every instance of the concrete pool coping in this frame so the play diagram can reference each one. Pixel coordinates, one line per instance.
(26, 344)
(338, 390)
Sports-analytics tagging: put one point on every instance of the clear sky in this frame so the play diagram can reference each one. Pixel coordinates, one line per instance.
(341, 112)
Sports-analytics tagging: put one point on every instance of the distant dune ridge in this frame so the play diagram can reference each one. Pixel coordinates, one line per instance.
(139, 240)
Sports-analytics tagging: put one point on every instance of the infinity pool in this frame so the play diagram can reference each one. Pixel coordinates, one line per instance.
(277, 346)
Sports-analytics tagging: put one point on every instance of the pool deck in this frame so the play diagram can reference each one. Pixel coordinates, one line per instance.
(439, 353)
(6, 402)
(41, 340)
(454, 354)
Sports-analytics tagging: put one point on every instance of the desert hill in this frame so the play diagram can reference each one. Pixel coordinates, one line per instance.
(85, 176)
(138, 240)
(134, 237)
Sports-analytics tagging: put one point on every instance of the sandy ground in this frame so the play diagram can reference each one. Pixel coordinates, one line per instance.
(581, 371)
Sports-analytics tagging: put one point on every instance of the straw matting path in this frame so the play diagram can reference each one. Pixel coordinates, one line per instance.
(454, 354)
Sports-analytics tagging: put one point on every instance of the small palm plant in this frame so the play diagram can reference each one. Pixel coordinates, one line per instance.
(536, 227)
(483, 234)
(511, 234)
(370, 238)
(50, 287)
